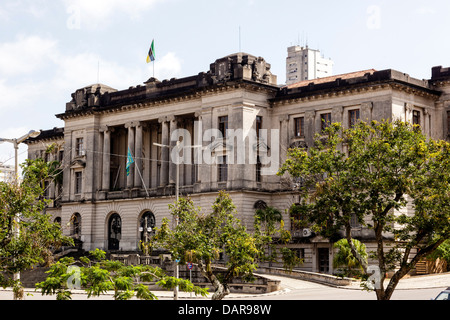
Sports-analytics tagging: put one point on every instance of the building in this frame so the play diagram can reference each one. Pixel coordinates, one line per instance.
(7, 172)
(106, 201)
(304, 63)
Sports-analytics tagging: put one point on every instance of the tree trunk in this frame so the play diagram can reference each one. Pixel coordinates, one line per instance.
(221, 289)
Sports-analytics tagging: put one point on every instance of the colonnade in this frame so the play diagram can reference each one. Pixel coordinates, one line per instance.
(135, 145)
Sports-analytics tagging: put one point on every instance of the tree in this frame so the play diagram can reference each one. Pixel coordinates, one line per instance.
(371, 172)
(202, 239)
(27, 234)
(345, 258)
(269, 228)
(99, 275)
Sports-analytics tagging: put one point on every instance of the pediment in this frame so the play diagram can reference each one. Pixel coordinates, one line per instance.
(78, 163)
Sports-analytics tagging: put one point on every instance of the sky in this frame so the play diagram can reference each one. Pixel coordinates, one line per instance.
(50, 48)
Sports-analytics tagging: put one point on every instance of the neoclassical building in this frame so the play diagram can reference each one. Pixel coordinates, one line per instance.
(108, 201)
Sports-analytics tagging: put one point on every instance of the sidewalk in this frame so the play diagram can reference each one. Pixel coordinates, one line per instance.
(429, 281)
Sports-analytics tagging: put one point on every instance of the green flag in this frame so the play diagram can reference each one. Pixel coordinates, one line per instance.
(130, 160)
(151, 52)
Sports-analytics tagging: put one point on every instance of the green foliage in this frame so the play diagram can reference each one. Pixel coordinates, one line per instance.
(370, 172)
(442, 252)
(98, 275)
(344, 257)
(290, 259)
(27, 233)
(201, 239)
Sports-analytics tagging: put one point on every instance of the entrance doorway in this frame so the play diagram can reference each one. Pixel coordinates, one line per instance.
(324, 260)
(114, 232)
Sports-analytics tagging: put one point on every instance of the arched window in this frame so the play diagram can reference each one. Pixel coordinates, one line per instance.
(75, 226)
(114, 232)
(260, 205)
(57, 220)
(147, 226)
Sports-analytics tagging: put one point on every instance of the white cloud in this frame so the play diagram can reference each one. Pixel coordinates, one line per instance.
(169, 66)
(7, 149)
(22, 77)
(17, 97)
(98, 13)
(25, 55)
(424, 10)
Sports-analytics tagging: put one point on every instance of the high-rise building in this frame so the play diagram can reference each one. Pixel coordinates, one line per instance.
(303, 63)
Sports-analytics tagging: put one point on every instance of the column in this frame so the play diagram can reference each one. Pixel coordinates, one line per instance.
(138, 156)
(67, 172)
(172, 165)
(106, 157)
(284, 137)
(154, 151)
(130, 148)
(164, 174)
(197, 158)
(366, 111)
(426, 125)
(310, 120)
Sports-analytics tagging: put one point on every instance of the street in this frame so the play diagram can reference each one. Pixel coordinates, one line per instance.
(414, 288)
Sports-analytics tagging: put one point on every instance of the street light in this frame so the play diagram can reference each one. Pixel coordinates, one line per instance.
(16, 142)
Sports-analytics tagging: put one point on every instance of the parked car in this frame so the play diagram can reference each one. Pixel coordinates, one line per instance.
(444, 295)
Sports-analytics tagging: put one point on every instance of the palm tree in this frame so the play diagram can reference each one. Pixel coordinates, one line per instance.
(345, 258)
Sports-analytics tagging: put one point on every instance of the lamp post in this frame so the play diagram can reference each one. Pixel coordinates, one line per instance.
(16, 142)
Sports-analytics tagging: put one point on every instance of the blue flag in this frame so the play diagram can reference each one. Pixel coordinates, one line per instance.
(130, 160)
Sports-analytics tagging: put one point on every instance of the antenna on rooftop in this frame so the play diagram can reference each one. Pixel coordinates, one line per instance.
(239, 38)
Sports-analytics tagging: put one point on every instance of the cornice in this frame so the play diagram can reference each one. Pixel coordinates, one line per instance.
(292, 98)
(178, 98)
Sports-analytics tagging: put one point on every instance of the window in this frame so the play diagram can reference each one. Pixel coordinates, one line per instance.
(353, 117)
(114, 232)
(299, 252)
(258, 125)
(222, 169)
(147, 226)
(46, 190)
(223, 125)
(416, 117)
(299, 126)
(75, 227)
(57, 220)
(79, 147)
(325, 120)
(78, 182)
(258, 160)
(354, 222)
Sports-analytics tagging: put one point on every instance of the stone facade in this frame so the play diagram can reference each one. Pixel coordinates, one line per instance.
(104, 207)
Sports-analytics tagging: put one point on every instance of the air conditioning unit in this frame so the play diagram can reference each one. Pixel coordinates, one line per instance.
(307, 232)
